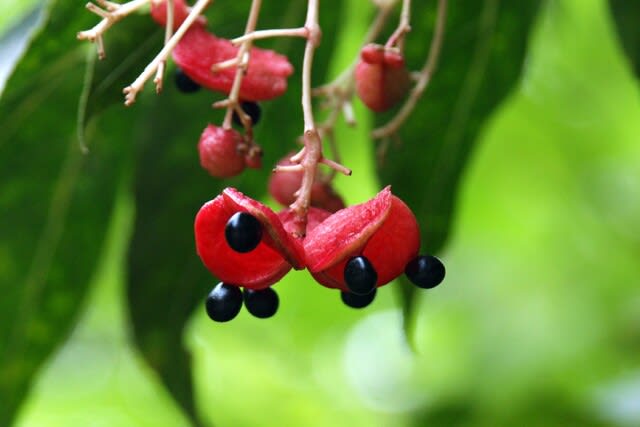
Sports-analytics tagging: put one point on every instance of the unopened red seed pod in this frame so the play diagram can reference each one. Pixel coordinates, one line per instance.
(382, 79)
(199, 50)
(219, 154)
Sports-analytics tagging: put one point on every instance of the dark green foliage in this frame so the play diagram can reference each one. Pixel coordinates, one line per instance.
(483, 53)
(626, 15)
(56, 200)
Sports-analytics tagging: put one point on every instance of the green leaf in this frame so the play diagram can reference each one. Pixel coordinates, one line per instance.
(167, 280)
(55, 199)
(626, 15)
(15, 11)
(481, 60)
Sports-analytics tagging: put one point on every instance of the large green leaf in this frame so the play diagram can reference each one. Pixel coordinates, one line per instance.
(55, 199)
(481, 60)
(626, 15)
(167, 280)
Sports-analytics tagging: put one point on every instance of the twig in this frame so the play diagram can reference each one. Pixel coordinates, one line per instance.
(168, 32)
(340, 92)
(132, 90)
(111, 14)
(242, 61)
(265, 34)
(404, 26)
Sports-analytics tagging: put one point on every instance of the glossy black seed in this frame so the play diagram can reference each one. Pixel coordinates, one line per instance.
(425, 271)
(184, 82)
(243, 232)
(261, 303)
(252, 109)
(360, 276)
(224, 302)
(357, 301)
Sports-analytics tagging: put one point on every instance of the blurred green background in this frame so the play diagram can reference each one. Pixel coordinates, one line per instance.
(536, 324)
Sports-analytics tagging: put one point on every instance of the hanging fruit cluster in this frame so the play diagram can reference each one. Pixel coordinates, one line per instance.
(244, 243)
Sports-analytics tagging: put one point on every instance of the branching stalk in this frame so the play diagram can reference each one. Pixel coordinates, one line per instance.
(132, 90)
(242, 62)
(424, 77)
(111, 14)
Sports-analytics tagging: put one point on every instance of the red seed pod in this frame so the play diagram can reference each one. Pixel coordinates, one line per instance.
(393, 59)
(198, 50)
(382, 80)
(259, 268)
(219, 153)
(372, 53)
(180, 12)
(384, 230)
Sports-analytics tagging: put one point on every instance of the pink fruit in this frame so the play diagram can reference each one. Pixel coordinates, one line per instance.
(218, 149)
(382, 79)
(198, 50)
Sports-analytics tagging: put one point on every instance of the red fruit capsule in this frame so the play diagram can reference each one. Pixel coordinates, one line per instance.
(260, 268)
(198, 50)
(382, 79)
(218, 149)
(384, 230)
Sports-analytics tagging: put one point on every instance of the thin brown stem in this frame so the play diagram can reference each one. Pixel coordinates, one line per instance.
(340, 92)
(404, 26)
(132, 90)
(168, 32)
(112, 13)
(265, 34)
(312, 141)
(242, 59)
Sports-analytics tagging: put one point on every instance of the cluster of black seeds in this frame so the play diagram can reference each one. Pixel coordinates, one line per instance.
(360, 278)
(225, 301)
(243, 233)
(424, 271)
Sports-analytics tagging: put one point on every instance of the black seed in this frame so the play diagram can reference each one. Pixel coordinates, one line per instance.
(357, 301)
(224, 302)
(261, 303)
(425, 271)
(184, 82)
(360, 276)
(243, 232)
(252, 109)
